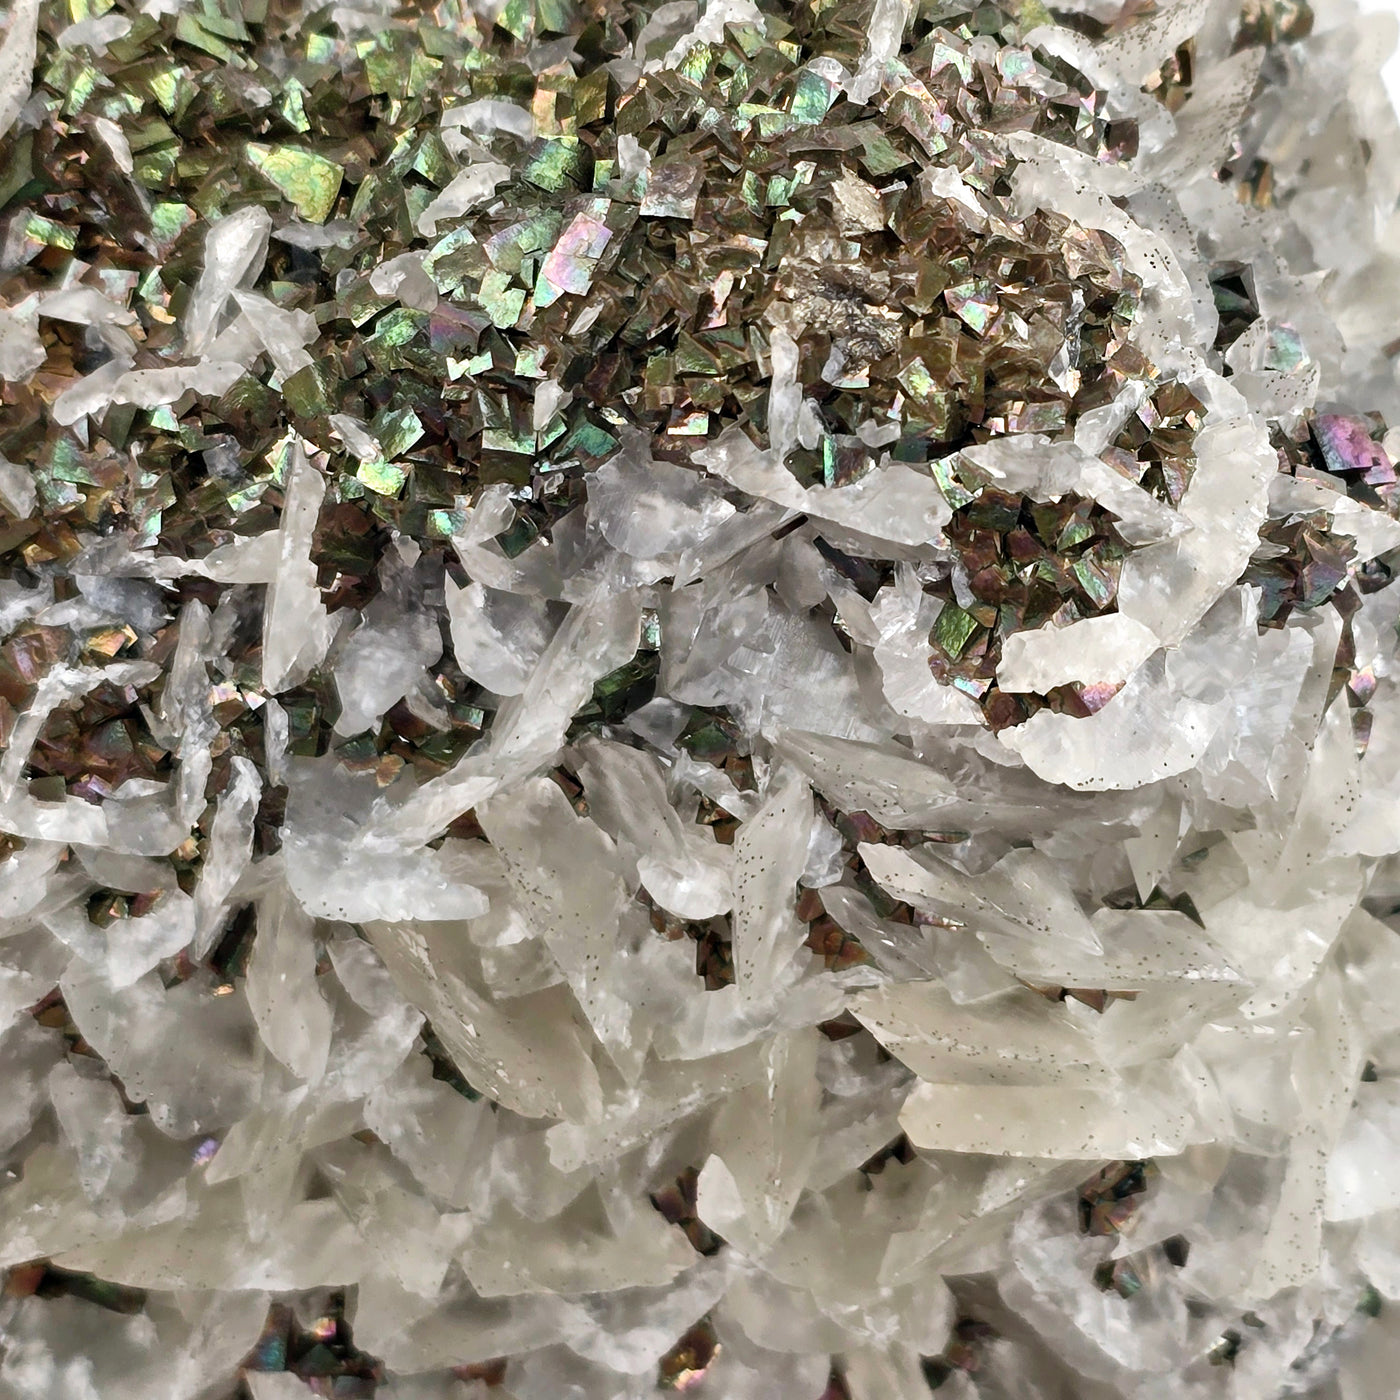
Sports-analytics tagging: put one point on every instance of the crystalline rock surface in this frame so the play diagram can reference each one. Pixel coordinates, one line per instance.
(699, 697)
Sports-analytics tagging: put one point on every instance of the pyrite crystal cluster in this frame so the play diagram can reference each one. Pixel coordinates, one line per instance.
(699, 697)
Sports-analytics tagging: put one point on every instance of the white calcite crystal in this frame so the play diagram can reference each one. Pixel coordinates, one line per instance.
(1093, 649)
(557, 844)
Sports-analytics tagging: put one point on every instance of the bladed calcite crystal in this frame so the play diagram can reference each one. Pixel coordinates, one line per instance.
(697, 697)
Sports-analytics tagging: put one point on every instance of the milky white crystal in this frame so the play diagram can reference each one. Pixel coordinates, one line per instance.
(21, 349)
(1093, 650)
(17, 60)
(296, 630)
(234, 250)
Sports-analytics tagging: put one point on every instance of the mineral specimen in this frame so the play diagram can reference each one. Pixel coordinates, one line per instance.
(696, 696)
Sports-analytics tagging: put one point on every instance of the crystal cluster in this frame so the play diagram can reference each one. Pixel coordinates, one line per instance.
(699, 697)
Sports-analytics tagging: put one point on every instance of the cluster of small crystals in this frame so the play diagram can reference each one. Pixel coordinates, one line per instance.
(640, 295)
(657, 735)
(647, 301)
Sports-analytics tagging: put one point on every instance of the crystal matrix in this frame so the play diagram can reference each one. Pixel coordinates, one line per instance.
(697, 697)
